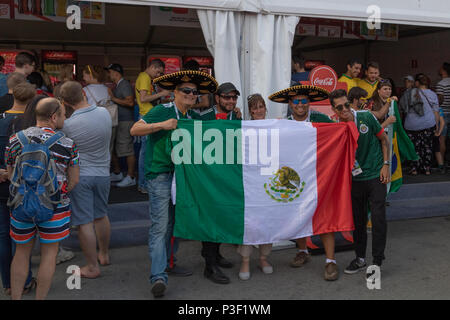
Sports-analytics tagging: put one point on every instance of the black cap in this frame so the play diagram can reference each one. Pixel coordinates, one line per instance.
(227, 87)
(116, 67)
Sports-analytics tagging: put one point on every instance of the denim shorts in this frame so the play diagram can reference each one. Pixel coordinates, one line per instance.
(89, 199)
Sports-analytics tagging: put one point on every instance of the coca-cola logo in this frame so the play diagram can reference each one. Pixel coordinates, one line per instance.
(59, 55)
(324, 77)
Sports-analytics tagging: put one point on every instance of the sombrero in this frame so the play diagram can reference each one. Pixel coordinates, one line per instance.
(312, 92)
(205, 83)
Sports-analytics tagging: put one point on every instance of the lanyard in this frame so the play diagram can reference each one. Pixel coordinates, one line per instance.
(231, 113)
(178, 115)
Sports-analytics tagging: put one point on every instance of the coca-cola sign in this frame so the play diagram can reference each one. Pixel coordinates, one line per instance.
(324, 77)
(59, 55)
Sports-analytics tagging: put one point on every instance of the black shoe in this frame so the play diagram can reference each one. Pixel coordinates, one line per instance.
(214, 274)
(224, 263)
(355, 266)
(177, 271)
(158, 288)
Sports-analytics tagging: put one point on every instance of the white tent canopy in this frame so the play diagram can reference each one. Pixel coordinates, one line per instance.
(434, 13)
(251, 40)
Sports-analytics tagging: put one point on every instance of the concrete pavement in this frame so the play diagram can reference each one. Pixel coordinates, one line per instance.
(417, 267)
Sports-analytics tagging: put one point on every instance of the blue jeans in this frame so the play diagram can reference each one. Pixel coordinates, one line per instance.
(162, 216)
(141, 161)
(7, 248)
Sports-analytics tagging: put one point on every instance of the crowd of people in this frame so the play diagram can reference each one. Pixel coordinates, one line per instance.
(82, 132)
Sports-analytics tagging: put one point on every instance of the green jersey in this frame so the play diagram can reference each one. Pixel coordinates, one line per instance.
(315, 116)
(158, 153)
(369, 154)
(210, 114)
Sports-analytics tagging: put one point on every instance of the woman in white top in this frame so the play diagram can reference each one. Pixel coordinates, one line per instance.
(258, 111)
(95, 91)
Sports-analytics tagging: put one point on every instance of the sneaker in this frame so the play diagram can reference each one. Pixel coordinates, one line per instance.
(355, 266)
(158, 288)
(116, 177)
(331, 271)
(127, 182)
(64, 255)
(142, 190)
(300, 259)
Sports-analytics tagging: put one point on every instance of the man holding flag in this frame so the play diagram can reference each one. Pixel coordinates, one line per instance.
(298, 98)
(158, 124)
(369, 182)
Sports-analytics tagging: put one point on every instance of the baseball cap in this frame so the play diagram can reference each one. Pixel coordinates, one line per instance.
(408, 77)
(227, 87)
(116, 67)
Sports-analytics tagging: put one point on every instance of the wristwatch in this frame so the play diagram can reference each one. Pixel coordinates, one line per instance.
(387, 163)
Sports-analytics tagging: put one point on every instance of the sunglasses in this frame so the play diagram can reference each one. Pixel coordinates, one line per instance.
(340, 107)
(297, 101)
(189, 91)
(250, 97)
(232, 97)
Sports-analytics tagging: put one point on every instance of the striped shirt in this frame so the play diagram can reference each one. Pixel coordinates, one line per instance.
(64, 153)
(443, 89)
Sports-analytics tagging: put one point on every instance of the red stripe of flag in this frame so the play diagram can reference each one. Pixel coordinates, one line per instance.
(336, 148)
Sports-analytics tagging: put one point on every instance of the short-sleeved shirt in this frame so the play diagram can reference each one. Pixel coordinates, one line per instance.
(297, 77)
(351, 82)
(121, 91)
(6, 102)
(366, 85)
(64, 153)
(90, 129)
(414, 122)
(158, 156)
(315, 116)
(144, 82)
(3, 84)
(369, 154)
(96, 93)
(443, 88)
(210, 114)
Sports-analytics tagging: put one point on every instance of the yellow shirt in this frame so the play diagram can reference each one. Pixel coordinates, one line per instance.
(351, 82)
(369, 87)
(143, 82)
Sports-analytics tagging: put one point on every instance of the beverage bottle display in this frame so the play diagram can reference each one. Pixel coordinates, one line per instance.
(36, 7)
(23, 6)
(49, 7)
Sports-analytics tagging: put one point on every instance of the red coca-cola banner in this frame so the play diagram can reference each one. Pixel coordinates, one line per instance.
(59, 56)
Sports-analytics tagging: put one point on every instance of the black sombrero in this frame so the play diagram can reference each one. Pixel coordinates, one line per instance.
(205, 83)
(314, 93)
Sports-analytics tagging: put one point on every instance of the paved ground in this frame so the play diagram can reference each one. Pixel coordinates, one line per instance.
(417, 268)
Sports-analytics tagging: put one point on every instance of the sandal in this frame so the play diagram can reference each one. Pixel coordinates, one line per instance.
(413, 173)
(31, 286)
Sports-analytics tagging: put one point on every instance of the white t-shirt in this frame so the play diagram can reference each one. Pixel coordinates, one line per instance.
(97, 93)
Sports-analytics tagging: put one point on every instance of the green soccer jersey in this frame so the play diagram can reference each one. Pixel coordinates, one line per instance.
(315, 116)
(210, 114)
(369, 154)
(158, 155)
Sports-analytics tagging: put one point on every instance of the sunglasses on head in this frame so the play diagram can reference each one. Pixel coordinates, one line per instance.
(250, 97)
(189, 91)
(297, 101)
(229, 97)
(340, 107)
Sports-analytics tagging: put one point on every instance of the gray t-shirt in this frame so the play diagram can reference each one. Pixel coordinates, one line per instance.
(123, 90)
(415, 122)
(90, 129)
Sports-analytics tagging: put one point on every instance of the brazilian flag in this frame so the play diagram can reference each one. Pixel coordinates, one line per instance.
(402, 149)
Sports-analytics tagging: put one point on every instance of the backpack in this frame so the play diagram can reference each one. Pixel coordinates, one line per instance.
(34, 189)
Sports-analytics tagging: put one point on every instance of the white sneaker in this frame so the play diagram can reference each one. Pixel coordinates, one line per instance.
(64, 255)
(116, 177)
(127, 182)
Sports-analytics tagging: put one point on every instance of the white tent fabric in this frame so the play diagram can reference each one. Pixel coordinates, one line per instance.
(435, 13)
(253, 51)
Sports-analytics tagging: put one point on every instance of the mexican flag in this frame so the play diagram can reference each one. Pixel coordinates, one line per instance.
(256, 182)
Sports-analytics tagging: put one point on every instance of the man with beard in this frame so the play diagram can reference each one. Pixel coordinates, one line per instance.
(351, 76)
